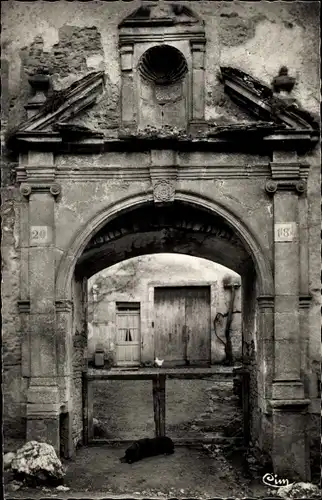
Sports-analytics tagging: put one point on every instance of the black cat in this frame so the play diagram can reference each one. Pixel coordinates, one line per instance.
(147, 447)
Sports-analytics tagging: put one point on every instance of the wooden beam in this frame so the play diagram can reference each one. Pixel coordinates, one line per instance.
(156, 406)
(158, 390)
(221, 372)
(162, 404)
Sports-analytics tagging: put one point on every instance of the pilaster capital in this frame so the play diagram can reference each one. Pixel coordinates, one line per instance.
(272, 186)
(287, 174)
(26, 189)
(24, 306)
(198, 44)
(266, 301)
(305, 301)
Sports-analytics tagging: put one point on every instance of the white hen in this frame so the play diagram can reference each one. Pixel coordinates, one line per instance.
(158, 362)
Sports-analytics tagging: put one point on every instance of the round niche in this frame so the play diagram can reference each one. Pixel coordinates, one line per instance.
(163, 65)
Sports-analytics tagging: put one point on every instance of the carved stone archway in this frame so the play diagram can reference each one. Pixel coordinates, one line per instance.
(219, 236)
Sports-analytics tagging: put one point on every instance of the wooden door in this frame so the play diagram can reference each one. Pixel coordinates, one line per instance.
(128, 337)
(169, 310)
(182, 325)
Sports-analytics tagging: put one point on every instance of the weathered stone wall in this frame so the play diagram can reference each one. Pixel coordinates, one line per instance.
(14, 386)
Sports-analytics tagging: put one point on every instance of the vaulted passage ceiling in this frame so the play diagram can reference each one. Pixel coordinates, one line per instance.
(177, 228)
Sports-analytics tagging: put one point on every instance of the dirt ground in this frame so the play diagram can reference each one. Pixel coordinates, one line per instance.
(188, 473)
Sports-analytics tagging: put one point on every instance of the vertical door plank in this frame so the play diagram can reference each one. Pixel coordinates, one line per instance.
(198, 324)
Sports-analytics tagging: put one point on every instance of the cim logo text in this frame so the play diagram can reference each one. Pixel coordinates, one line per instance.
(273, 481)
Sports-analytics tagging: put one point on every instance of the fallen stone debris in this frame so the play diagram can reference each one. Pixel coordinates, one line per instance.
(36, 464)
(299, 490)
(7, 460)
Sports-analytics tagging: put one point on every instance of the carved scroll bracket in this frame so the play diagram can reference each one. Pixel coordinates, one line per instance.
(272, 186)
(54, 189)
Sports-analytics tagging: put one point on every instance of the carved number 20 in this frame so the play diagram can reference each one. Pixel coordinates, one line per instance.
(38, 234)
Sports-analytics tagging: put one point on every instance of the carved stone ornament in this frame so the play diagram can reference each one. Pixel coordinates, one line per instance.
(25, 190)
(55, 189)
(271, 187)
(163, 191)
(300, 186)
(283, 82)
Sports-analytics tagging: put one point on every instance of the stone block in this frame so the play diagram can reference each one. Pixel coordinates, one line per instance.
(64, 343)
(43, 394)
(290, 451)
(163, 157)
(286, 303)
(44, 430)
(287, 390)
(266, 324)
(38, 410)
(287, 326)
(43, 345)
(286, 268)
(285, 207)
(41, 280)
(41, 210)
(287, 360)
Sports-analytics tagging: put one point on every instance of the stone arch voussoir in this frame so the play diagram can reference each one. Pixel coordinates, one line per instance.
(69, 259)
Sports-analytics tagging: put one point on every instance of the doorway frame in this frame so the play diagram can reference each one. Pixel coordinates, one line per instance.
(263, 273)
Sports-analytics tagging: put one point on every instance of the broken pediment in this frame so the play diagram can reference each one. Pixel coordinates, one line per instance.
(66, 114)
(65, 104)
(262, 102)
(160, 13)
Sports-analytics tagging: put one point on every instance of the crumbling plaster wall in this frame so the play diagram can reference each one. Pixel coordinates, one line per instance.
(14, 386)
(73, 38)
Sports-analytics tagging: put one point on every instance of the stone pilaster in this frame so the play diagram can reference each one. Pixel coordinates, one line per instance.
(290, 447)
(127, 90)
(198, 79)
(43, 401)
